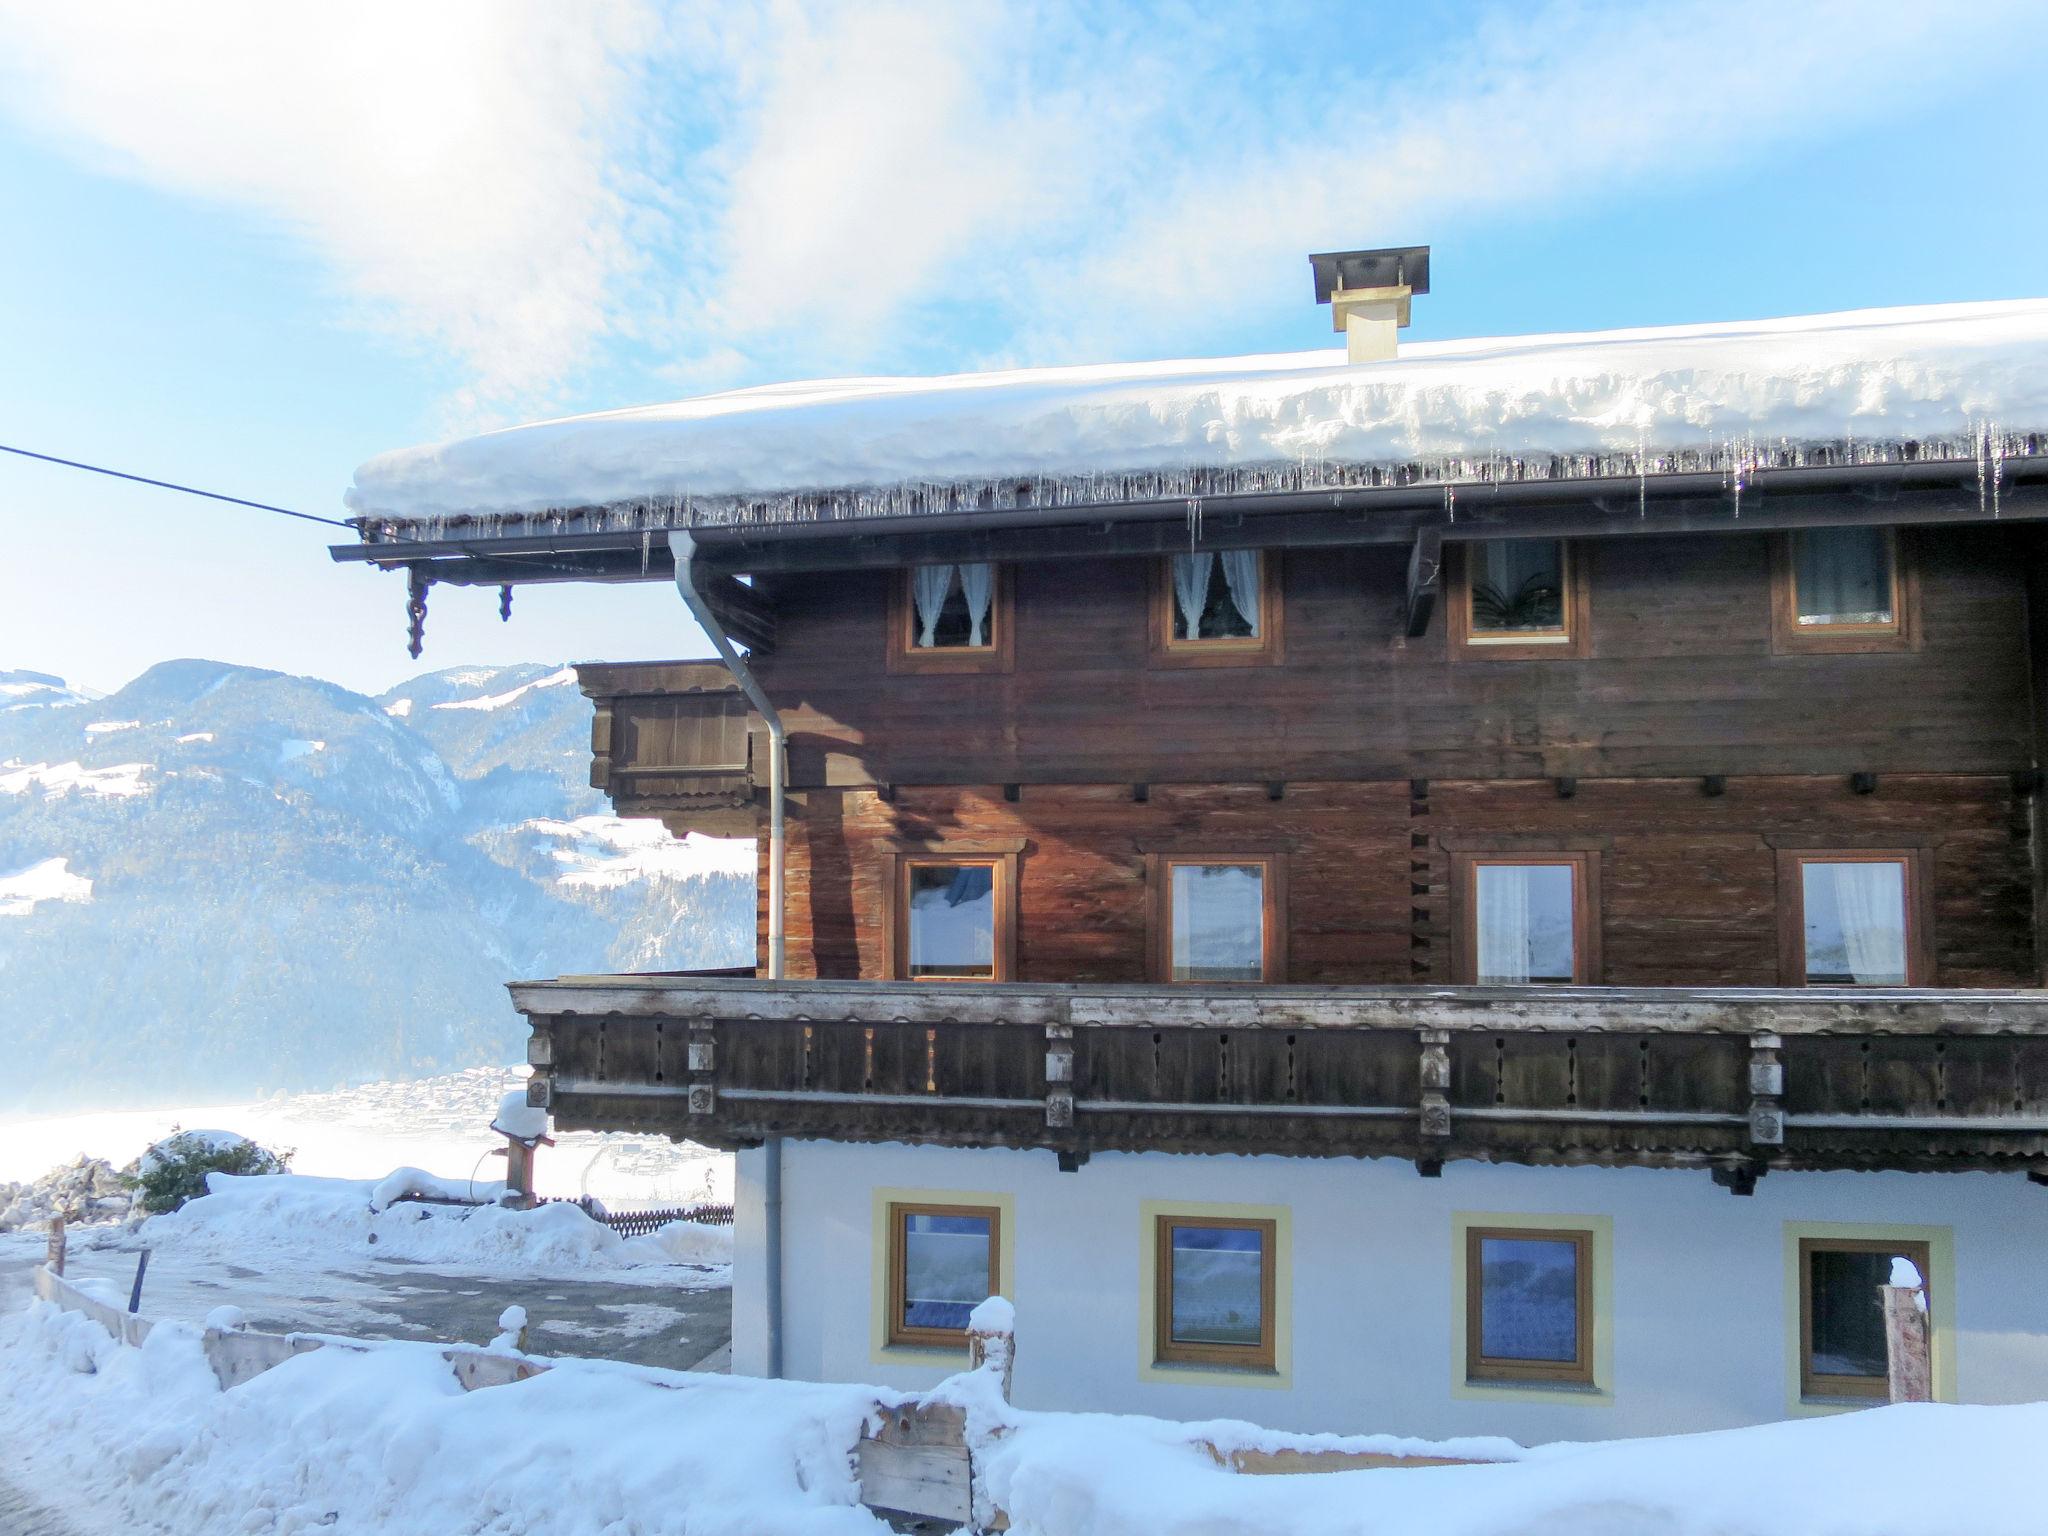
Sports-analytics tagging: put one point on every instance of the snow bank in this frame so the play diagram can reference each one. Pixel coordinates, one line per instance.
(1898, 374)
(382, 1440)
(45, 880)
(278, 1220)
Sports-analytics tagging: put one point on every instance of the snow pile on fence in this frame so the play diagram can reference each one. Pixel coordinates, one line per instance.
(249, 1220)
(382, 1439)
(1853, 380)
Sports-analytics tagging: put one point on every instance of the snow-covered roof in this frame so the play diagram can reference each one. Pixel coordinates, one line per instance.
(1952, 381)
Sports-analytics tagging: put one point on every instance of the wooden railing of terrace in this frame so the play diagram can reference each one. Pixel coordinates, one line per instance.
(1739, 1081)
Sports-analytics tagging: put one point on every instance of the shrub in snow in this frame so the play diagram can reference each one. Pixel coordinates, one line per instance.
(175, 1169)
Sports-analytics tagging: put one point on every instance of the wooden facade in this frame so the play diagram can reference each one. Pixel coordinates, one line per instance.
(1683, 758)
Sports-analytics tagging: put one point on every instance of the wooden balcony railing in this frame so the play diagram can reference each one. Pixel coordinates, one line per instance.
(1740, 1081)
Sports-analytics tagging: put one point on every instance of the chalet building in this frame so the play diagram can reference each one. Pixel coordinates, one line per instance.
(1488, 887)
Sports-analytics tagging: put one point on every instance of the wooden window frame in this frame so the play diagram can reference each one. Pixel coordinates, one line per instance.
(1576, 643)
(1159, 914)
(1792, 909)
(1585, 865)
(1791, 638)
(897, 927)
(901, 1334)
(1265, 649)
(1482, 1370)
(1166, 1350)
(1000, 655)
(1815, 1384)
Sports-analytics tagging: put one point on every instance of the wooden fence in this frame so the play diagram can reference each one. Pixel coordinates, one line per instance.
(640, 1223)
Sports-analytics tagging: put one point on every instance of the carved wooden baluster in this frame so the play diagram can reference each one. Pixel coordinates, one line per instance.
(703, 1068)
(1766, 1090)
(1436, 1102)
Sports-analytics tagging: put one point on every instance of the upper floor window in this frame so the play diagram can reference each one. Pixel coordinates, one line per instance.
(1850, 919)
(1219, 921)
(951, 618)
(1841, 589)
(1518, 599)
(1217, 606)
(1528, 918)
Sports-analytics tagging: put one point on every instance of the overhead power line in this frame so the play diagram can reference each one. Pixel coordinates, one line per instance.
(172, 485)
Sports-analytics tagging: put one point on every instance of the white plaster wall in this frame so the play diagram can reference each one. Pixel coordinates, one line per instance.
(1699, 1327)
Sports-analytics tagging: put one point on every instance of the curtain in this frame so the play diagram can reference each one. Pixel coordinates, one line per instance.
(1504, 938)
(929, 585)
(1241, 575)
(1842, 576)
(977, 583)
(1871, 901)
(1191, 588)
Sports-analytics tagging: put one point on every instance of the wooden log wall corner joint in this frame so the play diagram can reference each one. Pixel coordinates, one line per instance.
(1141, 793)
(1863, 783)
(1567, 787)
(1714, 785)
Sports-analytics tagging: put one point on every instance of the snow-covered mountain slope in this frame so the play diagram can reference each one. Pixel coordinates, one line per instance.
(220, 880)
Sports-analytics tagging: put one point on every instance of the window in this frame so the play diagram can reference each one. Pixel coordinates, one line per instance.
(949, 920)
(1518, 599)
(1215, 1291)
(1851, 919)
(1840, 589)
(1529, 1305)
(1217, 607)
(1216, 917)
(944, 1261)
(951, 618)
(1528, 918)
(1841, 1313)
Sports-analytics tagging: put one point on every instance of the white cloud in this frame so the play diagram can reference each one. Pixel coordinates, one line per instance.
(744, 190)
(454, 162)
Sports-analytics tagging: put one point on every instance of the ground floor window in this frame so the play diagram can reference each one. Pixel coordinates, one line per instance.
(1215, 1279)
(1842, 1351)
(1529, 1305)
(944, 1261)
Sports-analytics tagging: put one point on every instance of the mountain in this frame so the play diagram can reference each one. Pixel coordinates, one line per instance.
(225, 882)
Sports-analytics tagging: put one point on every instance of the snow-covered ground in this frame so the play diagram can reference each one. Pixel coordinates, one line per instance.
(383, 1440)
(437, 1123)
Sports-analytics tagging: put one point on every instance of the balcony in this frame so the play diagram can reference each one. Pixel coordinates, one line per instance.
(1738, 1081)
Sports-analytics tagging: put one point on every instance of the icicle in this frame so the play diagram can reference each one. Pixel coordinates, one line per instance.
(646, 548)
(505, 603)
(1450, 503)
(1642, 472)
(1983, 454)
(1996, 449)
(416, 584)
(1194, 521)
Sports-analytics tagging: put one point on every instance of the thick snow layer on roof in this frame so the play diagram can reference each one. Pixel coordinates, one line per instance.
(1894, 374)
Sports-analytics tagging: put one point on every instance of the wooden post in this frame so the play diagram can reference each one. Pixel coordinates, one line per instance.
(1909, 1373)
(519, 1170)
(992, 1339)
(141, 1269)
(55, 1259)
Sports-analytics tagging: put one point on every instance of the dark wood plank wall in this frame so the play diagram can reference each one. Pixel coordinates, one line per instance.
(1689, 881)
(1681, 680)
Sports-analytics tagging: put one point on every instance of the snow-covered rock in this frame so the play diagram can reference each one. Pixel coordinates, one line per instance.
(88, 1190)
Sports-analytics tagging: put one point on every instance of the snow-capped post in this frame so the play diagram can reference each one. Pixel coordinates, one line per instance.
(513, 1333)
(524, 1127)
(54, 1260)
(1909, 1374)
(992, 1339)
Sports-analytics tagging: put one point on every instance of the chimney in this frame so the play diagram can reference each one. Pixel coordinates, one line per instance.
(1368, 294)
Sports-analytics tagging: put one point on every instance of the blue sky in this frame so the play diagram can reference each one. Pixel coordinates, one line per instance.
(248, 246)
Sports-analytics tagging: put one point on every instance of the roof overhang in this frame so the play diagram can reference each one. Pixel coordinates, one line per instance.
(1936, 492)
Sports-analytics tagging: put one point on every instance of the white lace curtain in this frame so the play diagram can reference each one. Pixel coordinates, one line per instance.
(1504, 920)
(1191, 576)
(1870, 898)
(1843, 576)
(930, 585)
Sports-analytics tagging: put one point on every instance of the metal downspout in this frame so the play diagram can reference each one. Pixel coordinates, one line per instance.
(684, 548)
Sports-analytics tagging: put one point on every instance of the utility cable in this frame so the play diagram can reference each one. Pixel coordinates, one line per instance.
(172, 485)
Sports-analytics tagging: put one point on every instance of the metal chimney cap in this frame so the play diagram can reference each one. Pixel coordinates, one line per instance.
(1394, 266)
